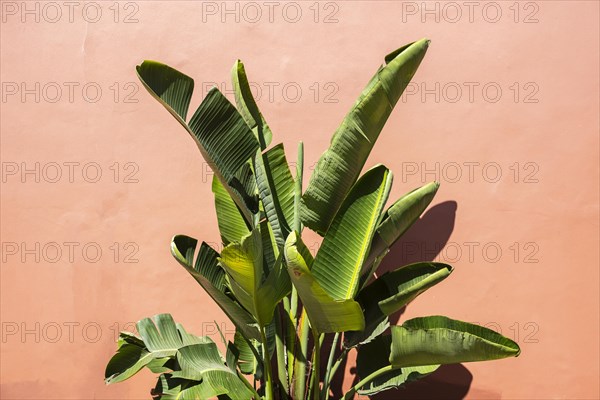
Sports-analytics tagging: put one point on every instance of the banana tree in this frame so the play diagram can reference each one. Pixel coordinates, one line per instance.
(283, 301)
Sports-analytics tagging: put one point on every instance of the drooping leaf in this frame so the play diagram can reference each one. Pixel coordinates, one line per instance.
(231, 222)
(325, 313)
(221, 134)
(206, 271)
(203, 363)
(247, 107)
(276, 188)
(172, 388)
(339, 167)
(392, 291)
(420, 345)
(338, 263)
(160, 338)
(441, 340)
(397, 219)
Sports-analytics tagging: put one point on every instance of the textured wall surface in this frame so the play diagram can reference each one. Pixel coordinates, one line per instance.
(96, 176)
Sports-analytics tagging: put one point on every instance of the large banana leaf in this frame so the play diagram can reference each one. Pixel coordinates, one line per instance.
(420, 345)
(441, 340)
(325, 313)
(222, 136)
(397, 219)
(231, 222)
(339, 167)
(202, 375)
(338, 263)
(210, 276)
(276, 188)
(203, 362)
(156, 342)
(247, 106)
(244, 265)
(392, 291)
(173, 388)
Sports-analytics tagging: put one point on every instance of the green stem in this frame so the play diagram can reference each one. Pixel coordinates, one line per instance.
(280, 349)
(290, 340)
(267, 364)
(248, 385)
(337, 365)
(300, 365)
(326, 381)
(350, 394)
(314, 382)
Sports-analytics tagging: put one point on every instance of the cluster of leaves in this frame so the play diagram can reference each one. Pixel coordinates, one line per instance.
(267, 281)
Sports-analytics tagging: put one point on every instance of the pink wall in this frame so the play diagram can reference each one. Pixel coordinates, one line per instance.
(527, 158)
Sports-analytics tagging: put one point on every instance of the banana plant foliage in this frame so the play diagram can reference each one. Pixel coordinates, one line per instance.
(284, 301)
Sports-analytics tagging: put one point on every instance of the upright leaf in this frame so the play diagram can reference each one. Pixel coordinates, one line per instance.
(247, 106)
(276, 188)
(339, 167)
(231, 221)
(338, 263)
(221, 134)
(397, 219)
(325, 313)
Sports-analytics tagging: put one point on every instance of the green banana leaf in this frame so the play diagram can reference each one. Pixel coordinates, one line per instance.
(420, 345)
(244, 265)
(173, 388)
(247, 106)
(232, 225)
(441, 340)
(395, 222)
(340, 165)
(203, 362)
(247, 361)
(276, 188)
(202, 375)
(211, 277)
(338, 263)
(392, 291)
(157, 342)
(221, 134)
(325, 314)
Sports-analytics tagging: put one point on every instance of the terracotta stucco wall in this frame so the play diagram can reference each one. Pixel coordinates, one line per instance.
(96, 176)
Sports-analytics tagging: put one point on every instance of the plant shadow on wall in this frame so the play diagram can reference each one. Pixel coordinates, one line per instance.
(298, 317)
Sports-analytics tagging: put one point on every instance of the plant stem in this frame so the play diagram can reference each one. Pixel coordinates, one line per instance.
(327, 378)
(314, 382)
(290, 340)
(281, 368)
(300, 365)
(248, 385)
(350, 393)
(337, 365)
(267, 364)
